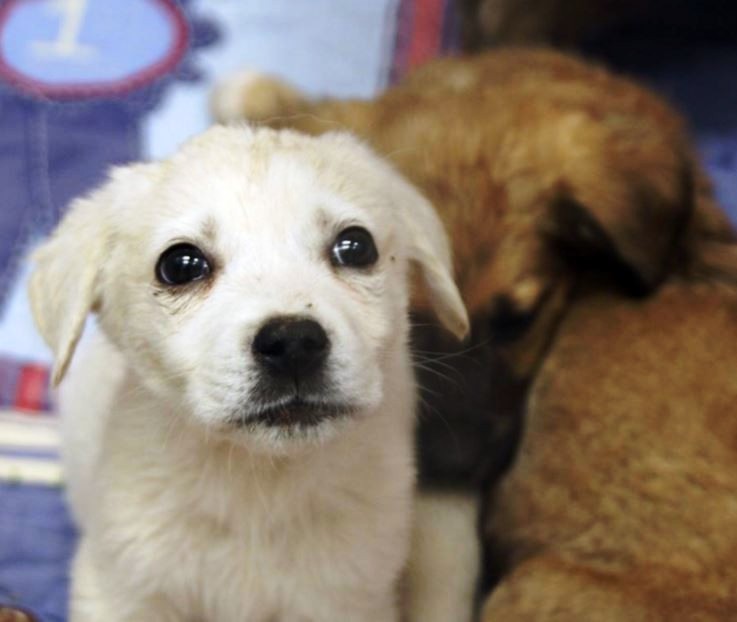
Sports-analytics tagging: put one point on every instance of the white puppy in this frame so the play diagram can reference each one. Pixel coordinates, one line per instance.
(238, 441)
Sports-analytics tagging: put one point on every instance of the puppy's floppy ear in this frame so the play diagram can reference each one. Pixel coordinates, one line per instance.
(65, 284)
(628, 214)
(430, 250)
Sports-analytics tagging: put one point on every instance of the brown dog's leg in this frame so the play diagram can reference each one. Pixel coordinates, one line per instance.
(546, 589)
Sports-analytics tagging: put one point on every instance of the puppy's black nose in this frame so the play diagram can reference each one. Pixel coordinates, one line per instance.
(288, 346)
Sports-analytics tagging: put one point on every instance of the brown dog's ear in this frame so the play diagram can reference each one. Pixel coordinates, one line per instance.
(65, 283)
(628, 220)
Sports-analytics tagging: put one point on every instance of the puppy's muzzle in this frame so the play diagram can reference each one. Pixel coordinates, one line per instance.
(294, 387)
(291, 348)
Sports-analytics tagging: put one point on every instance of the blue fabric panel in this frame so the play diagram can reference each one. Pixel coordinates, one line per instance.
(50, 154)
(36, 545)
(104, 135)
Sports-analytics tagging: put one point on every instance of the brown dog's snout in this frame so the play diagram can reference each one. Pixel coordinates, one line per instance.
(292, 347)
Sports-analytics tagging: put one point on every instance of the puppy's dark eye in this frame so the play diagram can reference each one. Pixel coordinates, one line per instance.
(506, 328)
(507, 323)
(354, 247)
(181, 264)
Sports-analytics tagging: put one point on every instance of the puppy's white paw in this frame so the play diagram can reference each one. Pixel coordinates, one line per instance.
(249, 94)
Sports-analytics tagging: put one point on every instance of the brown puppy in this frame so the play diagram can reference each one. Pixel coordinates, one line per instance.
(602, 283)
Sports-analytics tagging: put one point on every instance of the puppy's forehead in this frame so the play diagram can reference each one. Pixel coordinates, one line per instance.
(262, 172)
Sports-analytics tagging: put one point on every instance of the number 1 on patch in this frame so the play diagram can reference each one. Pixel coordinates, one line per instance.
(67, 45)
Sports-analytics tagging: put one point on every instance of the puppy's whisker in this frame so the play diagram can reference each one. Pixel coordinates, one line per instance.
(425, 403)
(441, 354)
(434, 393)
(430, 409)
(439, 363)
(438, 374)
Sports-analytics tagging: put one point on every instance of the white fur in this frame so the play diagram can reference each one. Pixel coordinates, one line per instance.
(445, 558)
(184, 516)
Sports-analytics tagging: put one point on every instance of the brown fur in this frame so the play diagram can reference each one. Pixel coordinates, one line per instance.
(581, 221)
